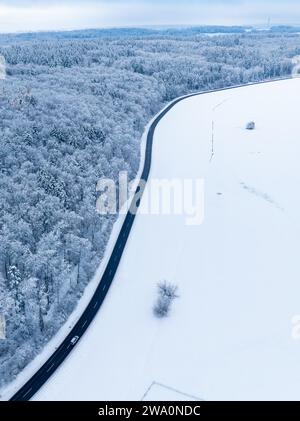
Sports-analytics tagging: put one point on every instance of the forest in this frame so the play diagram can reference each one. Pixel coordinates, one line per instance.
(73, 108)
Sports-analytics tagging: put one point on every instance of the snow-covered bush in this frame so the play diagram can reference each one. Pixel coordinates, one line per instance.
(250, 125)
(167, 293)
(162, 308)
(167, 290)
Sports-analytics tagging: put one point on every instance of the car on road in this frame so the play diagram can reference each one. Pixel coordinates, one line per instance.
(74, 340)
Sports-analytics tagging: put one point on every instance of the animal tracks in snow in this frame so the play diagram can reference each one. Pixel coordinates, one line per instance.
(261, 195)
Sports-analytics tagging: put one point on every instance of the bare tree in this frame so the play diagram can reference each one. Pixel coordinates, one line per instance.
(167, 293)
(161, 308)
(167, 290)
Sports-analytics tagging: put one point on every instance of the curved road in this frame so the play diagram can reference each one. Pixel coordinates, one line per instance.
(62, 352)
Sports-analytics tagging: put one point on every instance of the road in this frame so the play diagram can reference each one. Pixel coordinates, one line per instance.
(62, 352)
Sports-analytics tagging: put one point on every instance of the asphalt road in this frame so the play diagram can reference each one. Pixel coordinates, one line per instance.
(58, 357)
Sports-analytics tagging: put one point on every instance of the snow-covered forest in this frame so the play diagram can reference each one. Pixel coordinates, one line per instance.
(73, 108)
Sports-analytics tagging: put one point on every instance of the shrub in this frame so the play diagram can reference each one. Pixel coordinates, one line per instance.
(167, 293)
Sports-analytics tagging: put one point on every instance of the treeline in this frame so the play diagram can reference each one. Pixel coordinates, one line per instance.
(73, 111)
(125, 32)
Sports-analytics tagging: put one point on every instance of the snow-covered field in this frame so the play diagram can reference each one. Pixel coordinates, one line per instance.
(229, 335)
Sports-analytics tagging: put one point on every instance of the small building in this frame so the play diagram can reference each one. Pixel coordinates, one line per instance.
(2, 327)
(250, 125)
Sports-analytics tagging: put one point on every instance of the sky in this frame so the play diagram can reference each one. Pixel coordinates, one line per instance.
(33, 15)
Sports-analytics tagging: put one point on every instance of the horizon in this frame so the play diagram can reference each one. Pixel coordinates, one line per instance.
(149, 27)
(18, 16)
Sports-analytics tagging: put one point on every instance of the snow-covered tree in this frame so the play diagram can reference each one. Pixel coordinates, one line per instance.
(73, 107)
(167, 293)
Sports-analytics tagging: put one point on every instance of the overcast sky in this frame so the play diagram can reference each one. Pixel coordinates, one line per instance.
(31, 15)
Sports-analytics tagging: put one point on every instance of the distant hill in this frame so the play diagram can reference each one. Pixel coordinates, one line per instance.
(123, 32)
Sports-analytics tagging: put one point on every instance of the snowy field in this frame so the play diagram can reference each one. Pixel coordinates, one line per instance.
(229, 335)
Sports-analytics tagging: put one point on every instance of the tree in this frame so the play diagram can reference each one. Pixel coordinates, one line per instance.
(162, 308)
(167, 293)
(167, 290)
(250, 125)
